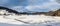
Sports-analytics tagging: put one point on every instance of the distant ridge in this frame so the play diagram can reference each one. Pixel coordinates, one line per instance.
(9, 10)
(50, 13)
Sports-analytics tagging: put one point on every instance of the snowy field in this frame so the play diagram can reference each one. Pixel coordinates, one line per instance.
(29, 20)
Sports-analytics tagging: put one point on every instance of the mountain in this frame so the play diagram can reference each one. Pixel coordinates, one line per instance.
(4, 10)
(53, 13)
(57, 13)
(50, 13)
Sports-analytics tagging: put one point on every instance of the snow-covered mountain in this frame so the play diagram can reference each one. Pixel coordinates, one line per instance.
(11, 17)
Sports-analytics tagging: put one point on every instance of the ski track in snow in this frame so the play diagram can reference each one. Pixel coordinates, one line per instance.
(31, 20)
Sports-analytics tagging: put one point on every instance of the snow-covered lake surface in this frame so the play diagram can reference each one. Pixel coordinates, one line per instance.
(29, 20)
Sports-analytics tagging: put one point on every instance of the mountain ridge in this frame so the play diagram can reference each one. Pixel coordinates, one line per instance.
(50, 13)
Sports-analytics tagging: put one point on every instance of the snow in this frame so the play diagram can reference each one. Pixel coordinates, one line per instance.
(29, 20)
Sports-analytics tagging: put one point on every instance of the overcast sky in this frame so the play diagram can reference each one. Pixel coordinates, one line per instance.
(30, 5)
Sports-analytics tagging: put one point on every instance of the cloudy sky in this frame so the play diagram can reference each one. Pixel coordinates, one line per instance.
(31, 5)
